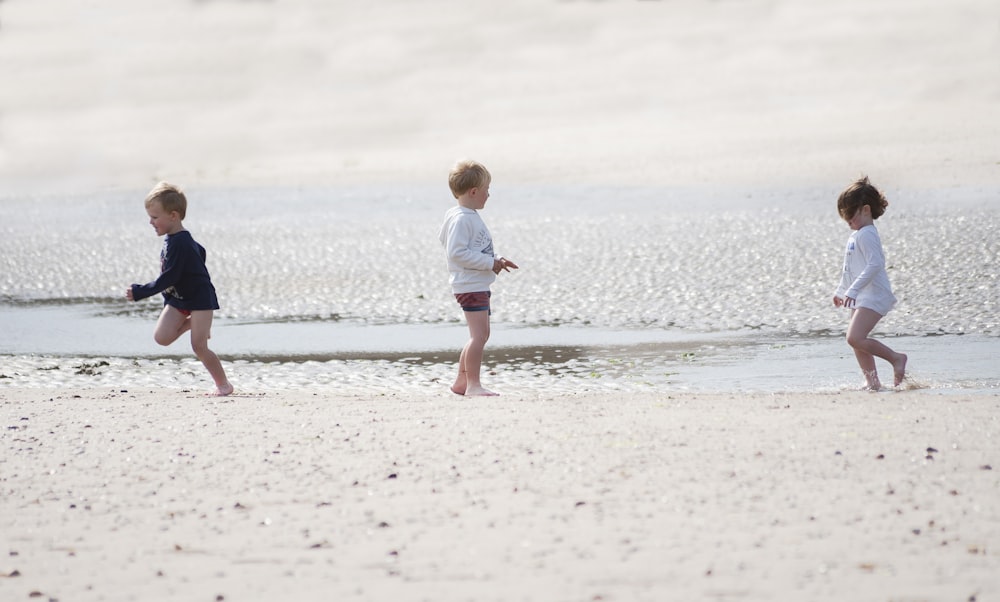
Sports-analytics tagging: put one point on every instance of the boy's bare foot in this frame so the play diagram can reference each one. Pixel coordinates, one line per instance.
(480, 392)
(222, 391)
(899, 370)
(457, 391)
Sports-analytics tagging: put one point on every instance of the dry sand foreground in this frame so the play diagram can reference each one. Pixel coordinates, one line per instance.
(326, 495)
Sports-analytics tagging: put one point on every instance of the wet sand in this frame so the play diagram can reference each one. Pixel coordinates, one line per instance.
(321, 494)
(513, 363)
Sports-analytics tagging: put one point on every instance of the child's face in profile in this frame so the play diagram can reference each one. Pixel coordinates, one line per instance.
(861, 218)
(162, 221)
(479, 195)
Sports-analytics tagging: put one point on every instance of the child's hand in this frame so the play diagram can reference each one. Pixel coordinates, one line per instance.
(838, 302)
(502, 263)
(128, 294)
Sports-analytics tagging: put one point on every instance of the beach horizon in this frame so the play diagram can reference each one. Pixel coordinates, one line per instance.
(625, 92)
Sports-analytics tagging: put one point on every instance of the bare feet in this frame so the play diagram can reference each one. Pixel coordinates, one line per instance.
(899, 370)
(457, 391)
(479, 392)
(222, 390)
(872, 382)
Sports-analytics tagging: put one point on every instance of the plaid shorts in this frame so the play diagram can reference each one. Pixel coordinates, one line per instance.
(474, 301)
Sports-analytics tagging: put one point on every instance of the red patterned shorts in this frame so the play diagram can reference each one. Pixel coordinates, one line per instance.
(474, 301)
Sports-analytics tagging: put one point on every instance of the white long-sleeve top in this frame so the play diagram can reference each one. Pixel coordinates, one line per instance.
(469, 247)
(864, 277)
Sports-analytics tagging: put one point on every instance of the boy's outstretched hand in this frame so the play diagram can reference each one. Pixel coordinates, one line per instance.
(502, 263)
(128, 294)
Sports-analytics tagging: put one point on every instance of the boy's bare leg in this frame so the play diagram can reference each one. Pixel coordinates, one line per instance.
(863, 320)
(170, 326)
(471, 360)
(461, 381)
(201, 329)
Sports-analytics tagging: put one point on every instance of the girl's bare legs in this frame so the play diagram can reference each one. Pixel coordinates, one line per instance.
(201, 331)
(470, 362)
(863, 320)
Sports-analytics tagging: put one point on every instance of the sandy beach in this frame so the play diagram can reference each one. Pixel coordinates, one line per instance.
(333, 495)
(356, 492)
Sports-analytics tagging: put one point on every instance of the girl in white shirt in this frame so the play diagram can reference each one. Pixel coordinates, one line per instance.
(864, 284)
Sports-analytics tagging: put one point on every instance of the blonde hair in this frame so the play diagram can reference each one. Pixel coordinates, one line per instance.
(170, 197)
(466, 175)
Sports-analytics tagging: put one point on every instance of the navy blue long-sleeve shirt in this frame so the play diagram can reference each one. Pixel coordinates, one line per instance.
(184, 280)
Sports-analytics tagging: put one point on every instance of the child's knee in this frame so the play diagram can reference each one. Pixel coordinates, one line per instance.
(162, 339)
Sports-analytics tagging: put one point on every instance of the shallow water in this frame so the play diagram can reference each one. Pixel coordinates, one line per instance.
(618, 288)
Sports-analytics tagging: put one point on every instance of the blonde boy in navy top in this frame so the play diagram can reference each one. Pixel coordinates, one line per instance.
(473, 267)
(188, 295)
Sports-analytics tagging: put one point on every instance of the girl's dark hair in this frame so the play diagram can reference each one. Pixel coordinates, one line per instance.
(859, 194)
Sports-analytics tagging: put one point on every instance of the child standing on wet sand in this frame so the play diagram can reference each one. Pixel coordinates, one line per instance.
(188, 295)
(473, 267)
(864, 284)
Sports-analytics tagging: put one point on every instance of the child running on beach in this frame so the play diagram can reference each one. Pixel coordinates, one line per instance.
(864, 284)
(188, 295)
(473, 267)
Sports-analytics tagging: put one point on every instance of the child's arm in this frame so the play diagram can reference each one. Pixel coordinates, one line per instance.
(871, 250)
(459, 252)
(173, 268)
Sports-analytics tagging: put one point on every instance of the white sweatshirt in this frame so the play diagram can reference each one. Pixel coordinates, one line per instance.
(864, 278)
(469, 247)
